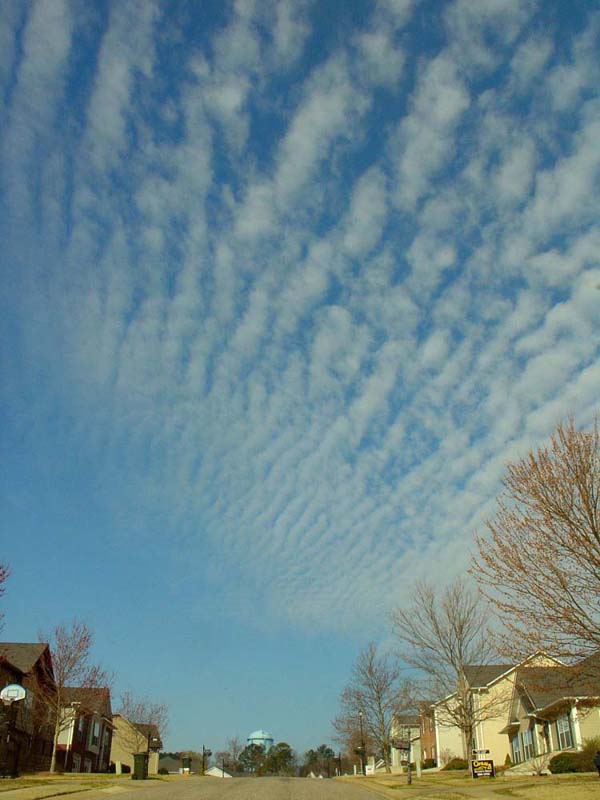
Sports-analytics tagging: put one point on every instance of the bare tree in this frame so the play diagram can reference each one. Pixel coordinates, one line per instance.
(540, 564)
(70, 648)
(442, 634)
(373, 697)
(235, 747)
(349, 736)
(143, 712)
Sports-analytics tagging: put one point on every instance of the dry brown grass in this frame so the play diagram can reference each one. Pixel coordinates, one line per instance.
(458, 786)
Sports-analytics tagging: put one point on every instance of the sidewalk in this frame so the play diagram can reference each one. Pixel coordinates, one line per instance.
(61, 788)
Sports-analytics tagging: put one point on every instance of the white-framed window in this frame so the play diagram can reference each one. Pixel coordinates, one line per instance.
(528, 748)
(516, 749)
(95, 738)
(563, 728)
(80, 727)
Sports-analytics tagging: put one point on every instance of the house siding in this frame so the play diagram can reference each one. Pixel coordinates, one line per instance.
(126, 741)
(589, 723)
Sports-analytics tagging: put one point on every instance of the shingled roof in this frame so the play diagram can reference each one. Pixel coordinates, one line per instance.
(22, 655)
(479, 675)
(150, 730)
(547, 686)
(94, 699)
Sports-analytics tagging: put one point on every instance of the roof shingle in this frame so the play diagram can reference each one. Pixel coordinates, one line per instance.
(22, 655)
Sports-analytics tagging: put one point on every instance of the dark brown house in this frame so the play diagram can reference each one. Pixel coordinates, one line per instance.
(86, 730)
(26, 731)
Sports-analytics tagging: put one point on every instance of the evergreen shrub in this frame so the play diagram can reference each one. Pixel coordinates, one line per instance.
(456, 763)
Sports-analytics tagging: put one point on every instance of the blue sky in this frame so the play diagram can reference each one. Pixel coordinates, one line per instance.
(285, 286)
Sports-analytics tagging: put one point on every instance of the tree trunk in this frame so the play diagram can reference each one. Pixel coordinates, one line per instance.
(55, 745)
(467, 742)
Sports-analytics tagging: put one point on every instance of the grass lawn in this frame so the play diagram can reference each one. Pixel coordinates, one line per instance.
(460, 785)
(69, 782)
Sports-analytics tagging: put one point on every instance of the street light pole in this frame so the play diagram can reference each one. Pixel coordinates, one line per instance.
(409, 770)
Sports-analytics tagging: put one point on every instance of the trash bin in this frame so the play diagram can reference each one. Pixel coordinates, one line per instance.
(140, 766)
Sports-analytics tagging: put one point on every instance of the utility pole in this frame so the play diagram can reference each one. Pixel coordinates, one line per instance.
(362, 744)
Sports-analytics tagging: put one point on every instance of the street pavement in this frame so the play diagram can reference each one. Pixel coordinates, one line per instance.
(197, 788)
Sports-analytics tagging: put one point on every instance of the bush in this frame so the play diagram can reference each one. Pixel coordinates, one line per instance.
(508, 761)
(428, 763)
(163, 771)
(565, 762)
(456, 763)
(590, 748)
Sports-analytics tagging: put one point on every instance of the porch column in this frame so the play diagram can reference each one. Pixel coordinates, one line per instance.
(575, 729)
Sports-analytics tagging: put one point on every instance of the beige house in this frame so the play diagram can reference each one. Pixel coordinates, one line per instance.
(491, 690)
(130, 738)
(527, 711)
(552, 710)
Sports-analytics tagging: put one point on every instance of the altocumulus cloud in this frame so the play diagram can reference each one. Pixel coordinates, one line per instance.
(302, 284)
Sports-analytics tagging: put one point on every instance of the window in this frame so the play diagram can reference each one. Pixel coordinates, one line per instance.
(95, 734)
(563, 728)
(80, 725)
(76, 762)
(516, 748)
(528, 748)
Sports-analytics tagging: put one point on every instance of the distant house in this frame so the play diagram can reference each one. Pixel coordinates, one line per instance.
(129, 738)
(172, 765)
(217, 772)
(405, 728)
(85, 740)
(28, 736)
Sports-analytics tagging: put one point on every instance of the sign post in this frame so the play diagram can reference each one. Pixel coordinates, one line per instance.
(482, 767)
(9, 746)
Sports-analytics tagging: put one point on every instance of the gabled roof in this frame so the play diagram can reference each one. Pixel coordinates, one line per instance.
(547, 686)
(150, 730)
(94, 699)
(480, 675)
(22, 655)
(413, 720)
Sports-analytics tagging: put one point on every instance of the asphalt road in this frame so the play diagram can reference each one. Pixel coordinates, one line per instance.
(233, 789)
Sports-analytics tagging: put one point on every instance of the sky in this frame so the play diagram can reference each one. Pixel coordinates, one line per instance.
(285, 286)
